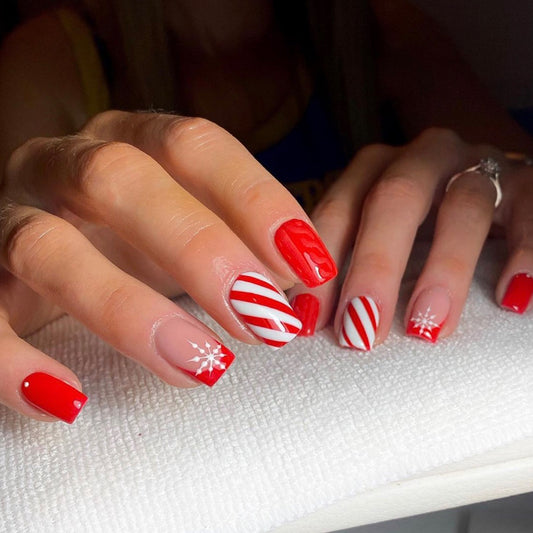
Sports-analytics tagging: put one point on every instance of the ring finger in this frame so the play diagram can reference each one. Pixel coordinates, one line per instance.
(462, 226)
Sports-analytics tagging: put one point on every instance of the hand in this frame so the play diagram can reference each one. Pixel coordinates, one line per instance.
(92, 223)
(377, 206)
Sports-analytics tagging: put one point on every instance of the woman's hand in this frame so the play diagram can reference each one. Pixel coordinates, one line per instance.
(377, 207)
(93, 223)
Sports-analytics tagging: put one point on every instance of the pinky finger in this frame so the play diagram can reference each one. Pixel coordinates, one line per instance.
(34, 384)
(515, 286)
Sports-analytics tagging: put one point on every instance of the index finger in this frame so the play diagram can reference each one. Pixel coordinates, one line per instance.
(218, 170)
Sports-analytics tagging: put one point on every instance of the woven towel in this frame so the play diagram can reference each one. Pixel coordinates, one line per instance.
(281, 435)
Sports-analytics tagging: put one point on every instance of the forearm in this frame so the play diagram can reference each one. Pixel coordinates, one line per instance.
(429, 83)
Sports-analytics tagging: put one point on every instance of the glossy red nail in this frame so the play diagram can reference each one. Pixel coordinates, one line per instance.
(518, 293)
(53, 396)
(305, 252)
(306, 308)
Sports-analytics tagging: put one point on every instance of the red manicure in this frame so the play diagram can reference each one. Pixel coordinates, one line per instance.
(305, 252)
(53, 396)
(306, 308)
(519, 292)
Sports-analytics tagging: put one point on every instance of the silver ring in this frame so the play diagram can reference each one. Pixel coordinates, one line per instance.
(488, 167)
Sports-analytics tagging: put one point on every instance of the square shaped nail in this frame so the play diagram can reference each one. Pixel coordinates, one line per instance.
(305, 252)
(53, 396)
(518, 293)
(264, 309)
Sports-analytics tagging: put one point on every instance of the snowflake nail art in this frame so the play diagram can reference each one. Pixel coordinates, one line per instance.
(423, 325)
(210, 362)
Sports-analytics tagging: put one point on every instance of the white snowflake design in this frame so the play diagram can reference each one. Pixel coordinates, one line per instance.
(209, 358)
(424, 323)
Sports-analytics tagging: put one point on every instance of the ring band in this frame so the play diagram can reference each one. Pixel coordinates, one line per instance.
(488, 167)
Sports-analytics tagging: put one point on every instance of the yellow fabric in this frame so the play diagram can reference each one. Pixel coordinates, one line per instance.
(88, 61)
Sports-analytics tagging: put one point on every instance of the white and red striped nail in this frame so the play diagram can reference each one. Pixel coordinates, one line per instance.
(359, 324)
(264, 309)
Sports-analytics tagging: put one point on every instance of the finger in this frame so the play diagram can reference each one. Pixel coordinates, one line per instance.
(336, 218)
(122, 187)
(59, 263)
(514, 290)
(392, 213)
(218, 170)
(34, 384)
(463, 223)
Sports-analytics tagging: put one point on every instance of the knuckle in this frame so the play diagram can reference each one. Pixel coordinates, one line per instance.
(17, 160)
(455, 266)
(102, 120)
(441, 136)
(374, 150)
(101, 165)
(381, 266)
(397, 189)
(333, 211)
(255, 194)
(117, 300)
(190, 134)
(195, 235)
(28, 240)
(471, 199)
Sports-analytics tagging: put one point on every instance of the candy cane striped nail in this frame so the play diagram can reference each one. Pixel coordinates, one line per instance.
(359, 324)
(264, 309)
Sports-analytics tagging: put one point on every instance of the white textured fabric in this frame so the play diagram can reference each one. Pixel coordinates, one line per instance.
(281, 435)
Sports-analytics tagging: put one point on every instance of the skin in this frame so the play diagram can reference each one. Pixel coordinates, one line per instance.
(78, 235)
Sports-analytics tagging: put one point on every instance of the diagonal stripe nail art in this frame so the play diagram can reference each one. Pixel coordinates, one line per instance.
(264, 309)
(360, 323)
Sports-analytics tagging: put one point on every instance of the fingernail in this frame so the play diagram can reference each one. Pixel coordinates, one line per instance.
(53, 396)
(192, 351)
(429, 313)
(518, 293)
(306, 308)
(305, 252)
(264, 309)
(359, 324)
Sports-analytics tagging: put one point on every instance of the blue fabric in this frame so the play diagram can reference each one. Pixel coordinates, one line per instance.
(524, 117)
(309, 151)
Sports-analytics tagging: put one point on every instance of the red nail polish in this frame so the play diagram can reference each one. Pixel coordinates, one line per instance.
(306, 308)
(518, 293)
(53, 396)
(305, 252)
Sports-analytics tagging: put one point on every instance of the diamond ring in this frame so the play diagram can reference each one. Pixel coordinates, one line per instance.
(488, 167)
